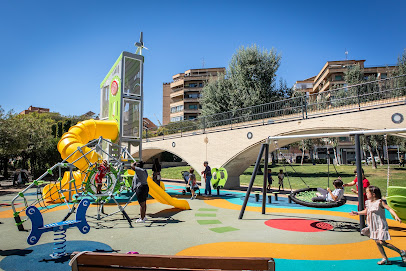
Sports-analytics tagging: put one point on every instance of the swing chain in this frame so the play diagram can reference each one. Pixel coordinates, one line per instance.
(387, 157)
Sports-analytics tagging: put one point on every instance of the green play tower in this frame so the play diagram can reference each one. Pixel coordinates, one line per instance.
(122, 100)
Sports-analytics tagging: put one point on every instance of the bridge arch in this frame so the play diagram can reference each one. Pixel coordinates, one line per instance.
(236, 149)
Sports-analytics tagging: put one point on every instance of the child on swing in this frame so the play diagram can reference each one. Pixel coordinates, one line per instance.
(103, 168)
(377, 226)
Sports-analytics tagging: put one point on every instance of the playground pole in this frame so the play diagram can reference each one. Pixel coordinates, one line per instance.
(265, 177)
(359, 179)
(254, 174)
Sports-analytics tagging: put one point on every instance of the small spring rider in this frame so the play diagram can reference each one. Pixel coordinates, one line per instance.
(59, 228)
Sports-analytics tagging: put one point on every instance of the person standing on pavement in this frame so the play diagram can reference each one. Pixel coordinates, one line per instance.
(156, 172)
(140, 185)
(207, 177)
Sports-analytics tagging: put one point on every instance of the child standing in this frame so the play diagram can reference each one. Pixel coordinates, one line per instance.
(377, 225)
(103, 168)
(281, 176)
(192, 182)
(270, 180)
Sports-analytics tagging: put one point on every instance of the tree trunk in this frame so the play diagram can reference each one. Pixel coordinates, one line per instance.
(303, 153)
(379, 156)
(5, 168)
(365, 156)
(273, 158)
(338, 158)
(371, 153)
(335, 156)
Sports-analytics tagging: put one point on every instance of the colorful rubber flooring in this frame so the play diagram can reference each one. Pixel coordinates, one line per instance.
(297, 237)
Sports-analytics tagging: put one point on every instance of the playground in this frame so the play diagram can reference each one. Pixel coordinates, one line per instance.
(88, 202)
(297, 237)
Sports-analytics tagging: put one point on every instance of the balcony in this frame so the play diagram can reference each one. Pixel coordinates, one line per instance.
(177, 93)
(191, 111)
(191, 100)
(176, 114)
(177, 83)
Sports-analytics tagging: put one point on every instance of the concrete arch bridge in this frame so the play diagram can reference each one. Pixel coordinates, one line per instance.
(235, 145)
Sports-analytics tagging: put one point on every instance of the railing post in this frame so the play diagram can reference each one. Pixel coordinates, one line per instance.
(304, 107)
(231, 122)
(359, 100)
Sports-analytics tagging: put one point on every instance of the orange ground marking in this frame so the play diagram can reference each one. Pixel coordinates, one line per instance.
(9, 213)
(350, 251)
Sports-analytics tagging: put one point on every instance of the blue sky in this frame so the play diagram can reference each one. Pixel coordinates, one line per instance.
(54, 54)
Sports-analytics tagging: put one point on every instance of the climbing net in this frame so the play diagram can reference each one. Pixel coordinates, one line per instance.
(64, 184)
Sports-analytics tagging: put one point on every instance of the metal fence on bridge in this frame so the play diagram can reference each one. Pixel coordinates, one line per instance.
(374, 94)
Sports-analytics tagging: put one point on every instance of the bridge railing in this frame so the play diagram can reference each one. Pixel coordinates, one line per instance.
(373, 94)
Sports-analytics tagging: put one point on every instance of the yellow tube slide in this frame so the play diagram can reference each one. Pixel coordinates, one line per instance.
(80, 135)
(77, 136)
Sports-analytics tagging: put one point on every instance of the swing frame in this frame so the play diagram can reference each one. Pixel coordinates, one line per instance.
(272, 140)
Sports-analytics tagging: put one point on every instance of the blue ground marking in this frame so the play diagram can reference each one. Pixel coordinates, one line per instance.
(237, 197)
(37, 257)
(359, 265)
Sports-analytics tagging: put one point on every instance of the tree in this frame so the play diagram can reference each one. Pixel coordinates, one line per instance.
(400, 70)
(354, 74)
(306, 144)
(371, 153)
(253, 74)
(333, 141)
(216, 96)
(250, 80)
(378, 142)
(401, 65)
(13, 138)
(66, 125)
(60, 129)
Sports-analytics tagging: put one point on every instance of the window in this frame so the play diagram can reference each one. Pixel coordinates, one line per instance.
(200, 85)
(174, 119)
(193, 106)
(192, 117)
(384, 75)
(338, 78)
(192, 85)
(193, 96)
(132, 76)
(176, 108)
(105, 102)
(131, 118)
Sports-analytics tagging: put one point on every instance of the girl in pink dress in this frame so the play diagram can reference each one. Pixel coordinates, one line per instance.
(377, 226)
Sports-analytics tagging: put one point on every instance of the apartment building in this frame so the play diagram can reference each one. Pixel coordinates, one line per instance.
(32, 109)
(181, 97)
(332, 75)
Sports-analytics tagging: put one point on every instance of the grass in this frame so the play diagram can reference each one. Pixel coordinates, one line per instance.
(317, 176)
(313, 175)
(175, 173)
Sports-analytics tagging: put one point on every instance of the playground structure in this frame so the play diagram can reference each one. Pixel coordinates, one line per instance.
(58, 228)
(396, 195)
(88, 143)
(219, 179)
(72, 186)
